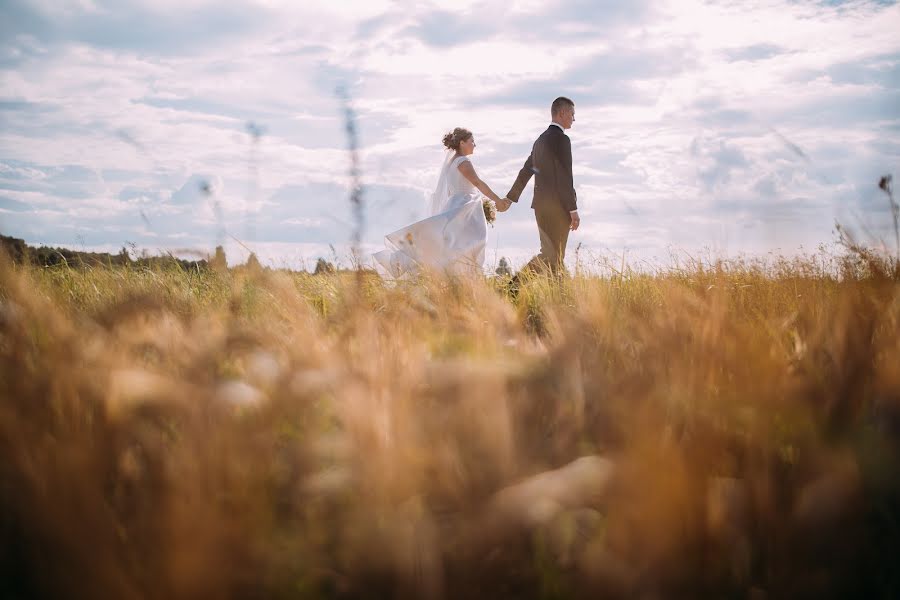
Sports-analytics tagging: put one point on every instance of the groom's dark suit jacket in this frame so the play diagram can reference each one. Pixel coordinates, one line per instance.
(551, 164)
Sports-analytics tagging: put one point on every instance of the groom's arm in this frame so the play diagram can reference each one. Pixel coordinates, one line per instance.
(522, 180)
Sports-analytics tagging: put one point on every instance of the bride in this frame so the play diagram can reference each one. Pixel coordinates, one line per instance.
(453, 238)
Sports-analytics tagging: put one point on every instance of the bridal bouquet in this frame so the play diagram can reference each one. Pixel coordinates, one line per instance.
(490, 210)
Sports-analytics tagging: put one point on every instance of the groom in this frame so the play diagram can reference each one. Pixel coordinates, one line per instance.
(555, 208)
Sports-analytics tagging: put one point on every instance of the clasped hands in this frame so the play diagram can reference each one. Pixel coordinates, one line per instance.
(503, 204)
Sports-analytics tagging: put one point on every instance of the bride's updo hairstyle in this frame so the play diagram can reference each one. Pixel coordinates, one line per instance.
(453, 139)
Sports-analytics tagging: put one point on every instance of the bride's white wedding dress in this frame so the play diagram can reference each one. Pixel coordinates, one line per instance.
(452, 239)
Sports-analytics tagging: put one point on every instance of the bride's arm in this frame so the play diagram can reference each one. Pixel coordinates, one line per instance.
(469, 173)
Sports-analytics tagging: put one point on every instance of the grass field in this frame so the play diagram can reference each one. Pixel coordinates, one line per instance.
(724, 430)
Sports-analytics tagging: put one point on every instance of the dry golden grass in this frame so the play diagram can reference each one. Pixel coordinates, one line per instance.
(724, 431)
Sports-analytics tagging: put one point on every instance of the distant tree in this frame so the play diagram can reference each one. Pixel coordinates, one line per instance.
(253, 262)
(218, 261)
(46, 256)
(15, 248)
(323, 267)
(503, 268)
(124, 258)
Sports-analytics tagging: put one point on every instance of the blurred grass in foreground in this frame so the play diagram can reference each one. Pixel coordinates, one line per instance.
(725, 430)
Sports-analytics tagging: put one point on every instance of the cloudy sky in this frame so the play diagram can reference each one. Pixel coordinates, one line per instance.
(736, 127)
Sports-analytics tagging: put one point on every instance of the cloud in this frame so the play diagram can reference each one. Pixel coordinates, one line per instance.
(698, 122)
(615, 76)
(10, 205)
(198, 189)
(445, 29)
(753, 53)
(716, 160)
(135, 25)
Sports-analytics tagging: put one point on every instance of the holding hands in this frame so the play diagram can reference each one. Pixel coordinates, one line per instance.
(503, 204)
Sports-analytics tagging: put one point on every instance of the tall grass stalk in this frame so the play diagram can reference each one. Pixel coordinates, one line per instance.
(720, 429)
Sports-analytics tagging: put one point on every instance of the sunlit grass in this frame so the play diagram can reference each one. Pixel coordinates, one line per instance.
(713, 429)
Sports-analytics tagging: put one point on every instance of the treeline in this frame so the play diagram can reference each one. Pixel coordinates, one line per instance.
(44, 256)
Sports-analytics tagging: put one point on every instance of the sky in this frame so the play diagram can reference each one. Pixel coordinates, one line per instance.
(721, 127)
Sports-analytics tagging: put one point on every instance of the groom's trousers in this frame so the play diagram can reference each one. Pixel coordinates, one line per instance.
(553, 223)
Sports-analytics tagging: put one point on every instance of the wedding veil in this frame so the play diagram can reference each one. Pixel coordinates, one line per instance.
(441, 195)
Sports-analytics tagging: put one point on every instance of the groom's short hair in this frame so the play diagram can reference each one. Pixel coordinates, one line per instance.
(559, 104)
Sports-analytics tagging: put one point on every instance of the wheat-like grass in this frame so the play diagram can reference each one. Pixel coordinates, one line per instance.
(710, 430)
